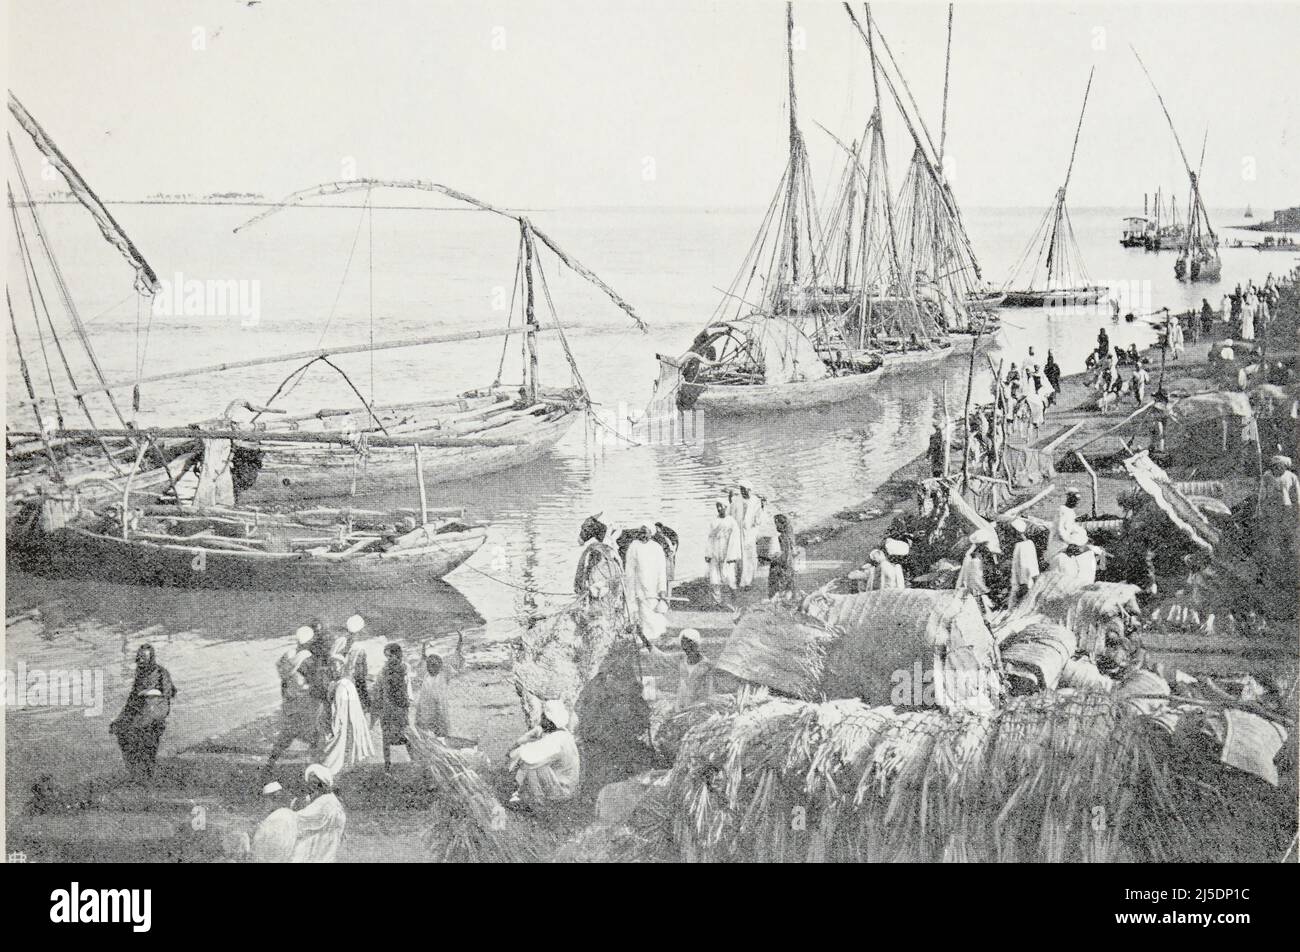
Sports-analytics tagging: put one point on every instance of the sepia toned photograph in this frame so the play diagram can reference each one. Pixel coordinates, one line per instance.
(698, 431)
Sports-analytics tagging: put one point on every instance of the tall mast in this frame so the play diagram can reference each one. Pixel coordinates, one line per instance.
(879, 144)
(947, 62)
(530, 317)
(1192, 177)
(792, 196)
(1060, 195)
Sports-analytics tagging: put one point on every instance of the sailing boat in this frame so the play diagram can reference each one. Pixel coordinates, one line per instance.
(364, 447)
(1066, 283)
(775, 349)
(72, 514)
(1198, 258)
(1248, 213)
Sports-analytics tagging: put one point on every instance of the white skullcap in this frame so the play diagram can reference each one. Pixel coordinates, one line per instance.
(648, 528)
(1019, 525)
(745, 484)
(304, 635)
(897, 547)
(555, 712)
(985, 536)
(691, 635)
(272, 787)
(320, 773)
(356, 623)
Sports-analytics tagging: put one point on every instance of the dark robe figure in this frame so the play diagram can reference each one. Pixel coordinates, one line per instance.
(139, 728)
(780, 571)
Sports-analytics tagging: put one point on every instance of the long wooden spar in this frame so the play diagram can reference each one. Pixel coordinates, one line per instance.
(309, 355)
(238, 435)
(363, 184)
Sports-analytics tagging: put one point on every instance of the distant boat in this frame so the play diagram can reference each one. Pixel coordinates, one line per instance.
(1249, 213)
(1136, 232)
(1066, 284)
(1198, 258)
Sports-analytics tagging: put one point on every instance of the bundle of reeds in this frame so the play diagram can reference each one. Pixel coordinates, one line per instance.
(1090, 611)
(1034, 655)
(907, 646)
(778, 647)
(1054, 777)
(469, 824)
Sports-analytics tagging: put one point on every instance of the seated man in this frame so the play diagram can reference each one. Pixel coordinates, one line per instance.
(545, 760)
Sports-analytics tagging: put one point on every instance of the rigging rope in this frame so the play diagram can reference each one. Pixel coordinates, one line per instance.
(77, 324)
(510, 314)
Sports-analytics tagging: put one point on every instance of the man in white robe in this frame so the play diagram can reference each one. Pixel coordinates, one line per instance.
(1062, 526)
(747, 512)
(647, 583)
(320, 822)
(1024, 563)
(722, 552)
(545, 759)
(970, 580)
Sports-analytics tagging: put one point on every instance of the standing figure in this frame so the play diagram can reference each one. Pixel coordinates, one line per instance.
(1279, 509)
(745, 510)
(393, 700)
(1063, 525)
(723, 551)
(300, 709)
(647, 583)
(599, 578)
(139, 728)
(971, 579)
(668, 541)
(348, 736)
(1176, 345)
(1052, 371)
(780, 566)
(1024, 563)
(1140, 380)
(890, 563)
(356, 666)
(433, 699)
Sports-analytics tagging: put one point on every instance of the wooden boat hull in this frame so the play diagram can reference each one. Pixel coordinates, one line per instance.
(297, 472)
(765, 398)
(1065, 297)
(79, 553)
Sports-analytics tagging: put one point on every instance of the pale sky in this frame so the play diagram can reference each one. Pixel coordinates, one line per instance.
(605, 102)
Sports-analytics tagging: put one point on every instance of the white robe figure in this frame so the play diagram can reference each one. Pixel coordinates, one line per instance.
(275, 837)
(1176, 336)
(1248, 318)
(1024, 568)
(647, 585)
(320, 830)
(890, 576)
(723, 548)
(1225, 309)
(1063, 527)
(1066, 566)
(1086, 565)
(349, 739)
(747, 515)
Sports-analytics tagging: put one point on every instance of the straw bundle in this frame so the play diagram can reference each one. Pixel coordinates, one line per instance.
(894, 640)
(779, 648)
(1090, 611)
(470, 824)
(1054, 777)
(1034, 655)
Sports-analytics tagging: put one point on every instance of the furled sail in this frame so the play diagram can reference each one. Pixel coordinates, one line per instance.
(146, 282)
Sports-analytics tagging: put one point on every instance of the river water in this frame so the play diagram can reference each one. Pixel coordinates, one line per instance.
(333, 276)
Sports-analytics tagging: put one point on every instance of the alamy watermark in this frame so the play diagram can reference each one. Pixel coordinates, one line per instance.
(229, 297)
(38, 687)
